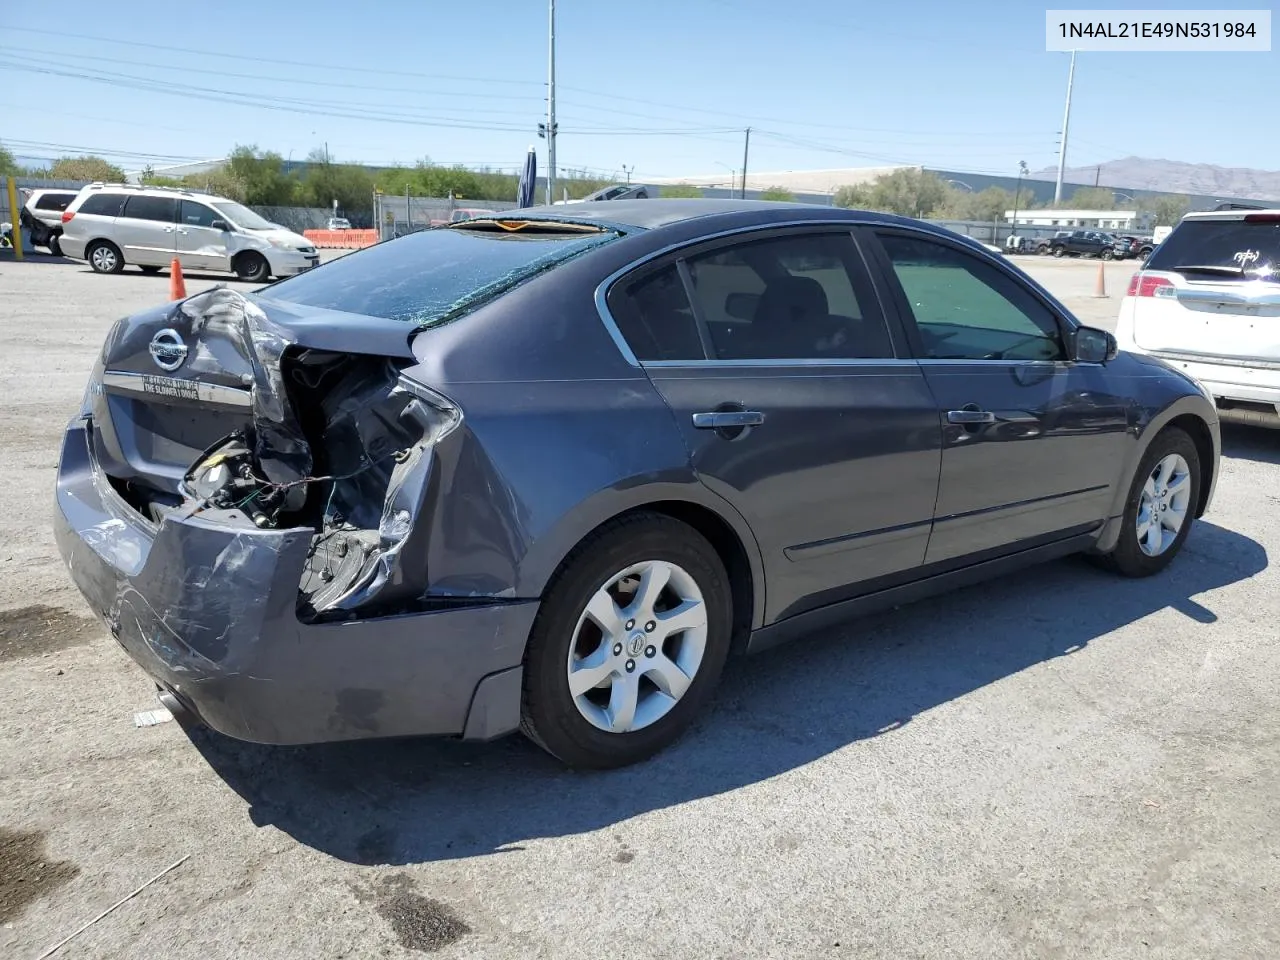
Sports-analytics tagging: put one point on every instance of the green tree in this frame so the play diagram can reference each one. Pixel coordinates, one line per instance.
(8, 165)
(86, 168)
(1168, 210)
(681, 191)
(261, 176)
(777, 193)
(853, 196)
(325, 182)
(908, 192)
(1093, 198)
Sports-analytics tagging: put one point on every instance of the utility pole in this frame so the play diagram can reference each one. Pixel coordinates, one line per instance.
(551, 104)
(1022, 172)
(628, 171)
(746, 145)
(1066, 122)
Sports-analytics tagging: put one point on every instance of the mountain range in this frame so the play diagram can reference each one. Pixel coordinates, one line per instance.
(1175, 176)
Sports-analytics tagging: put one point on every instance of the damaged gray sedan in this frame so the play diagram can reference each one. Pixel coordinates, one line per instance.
(542, 471)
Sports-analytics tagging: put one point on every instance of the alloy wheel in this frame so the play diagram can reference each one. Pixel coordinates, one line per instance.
(1163, 505)
(637, 646)
(104, 258)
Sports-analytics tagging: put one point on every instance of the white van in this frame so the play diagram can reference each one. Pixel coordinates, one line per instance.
(112, 224)
(1208, 302)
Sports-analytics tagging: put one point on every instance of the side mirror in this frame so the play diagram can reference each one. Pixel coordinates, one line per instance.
(220, 225)
(1094, 346)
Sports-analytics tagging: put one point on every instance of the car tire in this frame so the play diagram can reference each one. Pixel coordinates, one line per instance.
(104, 257)
(1059, 252)
(1108, 255)
(252, 267)
(1174, 451)
(669, 681)
(55, 248)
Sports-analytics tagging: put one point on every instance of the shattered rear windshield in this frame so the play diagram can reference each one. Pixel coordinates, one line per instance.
(432, 276)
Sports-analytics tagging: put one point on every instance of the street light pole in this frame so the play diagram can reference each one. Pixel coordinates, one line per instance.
(746, 145)
(1066, 122)
(551, 104)
(1022, 172)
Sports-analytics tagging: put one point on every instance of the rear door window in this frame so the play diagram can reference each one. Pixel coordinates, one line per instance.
(102, 204)
(162, 209)
(1221, 250)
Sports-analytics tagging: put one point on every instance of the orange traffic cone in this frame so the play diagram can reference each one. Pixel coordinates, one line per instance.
(177, 288)
(1100, 288)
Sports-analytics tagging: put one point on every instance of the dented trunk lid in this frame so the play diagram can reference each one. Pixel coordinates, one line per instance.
(173, 381)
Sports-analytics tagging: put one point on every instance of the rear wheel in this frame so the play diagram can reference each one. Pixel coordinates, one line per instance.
(104, 257)
(1161, 506)
(1107, 254)
(629, 644)
(252, 266)
(1059, 252)
(55, 248)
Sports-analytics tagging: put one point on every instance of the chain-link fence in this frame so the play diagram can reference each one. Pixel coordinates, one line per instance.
(398, 215)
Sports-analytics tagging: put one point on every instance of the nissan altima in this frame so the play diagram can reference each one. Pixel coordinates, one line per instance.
(546, 470)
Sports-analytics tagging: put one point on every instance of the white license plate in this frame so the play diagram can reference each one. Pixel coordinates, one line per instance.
(171, 387)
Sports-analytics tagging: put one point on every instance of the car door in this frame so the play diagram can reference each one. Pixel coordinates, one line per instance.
(1030, 439)
(201, 245)
(773, 353)
(145, 230)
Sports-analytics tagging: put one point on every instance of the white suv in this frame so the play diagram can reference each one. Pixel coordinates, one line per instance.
(111, 225)
(1208, 302)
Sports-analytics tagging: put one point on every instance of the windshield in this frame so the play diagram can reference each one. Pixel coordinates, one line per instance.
(242, 216)
(1250, 250)
(430, 277)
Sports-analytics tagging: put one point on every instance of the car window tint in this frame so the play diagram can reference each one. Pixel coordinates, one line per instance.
(656, 319)
(966, 309)
(197, 214)
(54, 201)
(150, 208)
(1252, 248)
(788, 298)
(103, 204)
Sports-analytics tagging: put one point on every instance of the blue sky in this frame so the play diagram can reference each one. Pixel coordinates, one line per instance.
(665, 87)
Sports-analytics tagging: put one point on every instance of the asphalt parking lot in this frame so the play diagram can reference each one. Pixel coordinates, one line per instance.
(1061, 764)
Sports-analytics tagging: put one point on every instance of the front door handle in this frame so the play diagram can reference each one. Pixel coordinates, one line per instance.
(722, 419)
(970, 416)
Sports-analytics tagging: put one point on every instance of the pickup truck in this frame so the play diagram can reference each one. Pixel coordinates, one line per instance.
(1088, 243)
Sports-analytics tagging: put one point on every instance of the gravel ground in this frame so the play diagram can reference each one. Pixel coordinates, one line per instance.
(1057, 765)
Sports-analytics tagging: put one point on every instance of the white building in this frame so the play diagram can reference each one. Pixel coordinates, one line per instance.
(1139, 221)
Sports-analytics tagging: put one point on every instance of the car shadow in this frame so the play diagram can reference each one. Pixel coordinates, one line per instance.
(410, 801)
(1260, 444)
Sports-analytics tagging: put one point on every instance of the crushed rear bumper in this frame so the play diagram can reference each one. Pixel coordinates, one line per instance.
(208, 610)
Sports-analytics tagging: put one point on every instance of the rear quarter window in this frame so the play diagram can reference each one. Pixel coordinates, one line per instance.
(54, 201)
(102, 204)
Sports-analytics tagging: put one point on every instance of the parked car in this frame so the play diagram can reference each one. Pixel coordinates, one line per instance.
(113, 225)
(338, 223)
(42, 215)
(619, 191)
(1207, 301)
(1044, 246)
(551, 490)
(1087, 243)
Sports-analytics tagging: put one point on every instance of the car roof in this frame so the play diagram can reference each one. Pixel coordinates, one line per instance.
(1231, 214)
(652, 214)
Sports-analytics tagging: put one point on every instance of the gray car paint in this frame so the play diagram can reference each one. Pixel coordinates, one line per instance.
(563, 429)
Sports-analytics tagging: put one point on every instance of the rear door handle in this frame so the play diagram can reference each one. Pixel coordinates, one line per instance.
(721, 419)
(970, 416)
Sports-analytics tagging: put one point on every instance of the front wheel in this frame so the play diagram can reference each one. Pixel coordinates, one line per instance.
(629, 644)
(1107, 254)
(1059, 252)
(252, 267)
(1161, 506)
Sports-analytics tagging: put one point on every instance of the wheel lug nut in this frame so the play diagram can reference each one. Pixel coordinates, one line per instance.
(650, 651)
(650, 627)
(617, 649)
(630, 624)
(631, 666)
